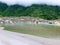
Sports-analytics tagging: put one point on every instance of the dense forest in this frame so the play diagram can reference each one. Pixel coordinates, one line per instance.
(44, 11)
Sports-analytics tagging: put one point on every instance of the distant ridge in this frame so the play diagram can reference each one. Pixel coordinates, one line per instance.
(44, 11)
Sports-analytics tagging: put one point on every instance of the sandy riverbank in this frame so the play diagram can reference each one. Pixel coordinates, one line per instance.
(12, 38)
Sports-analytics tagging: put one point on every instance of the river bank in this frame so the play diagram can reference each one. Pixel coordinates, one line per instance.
(12, 38)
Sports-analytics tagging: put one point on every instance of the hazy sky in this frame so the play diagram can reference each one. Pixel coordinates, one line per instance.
(29, 2)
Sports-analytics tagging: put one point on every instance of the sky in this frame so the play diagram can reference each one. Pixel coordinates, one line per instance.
(30, 2)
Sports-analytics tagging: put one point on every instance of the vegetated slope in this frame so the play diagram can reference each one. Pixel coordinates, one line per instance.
(44, 11)
(3, 7)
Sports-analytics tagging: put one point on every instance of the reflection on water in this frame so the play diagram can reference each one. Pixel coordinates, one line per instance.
(34, 29)
(28, 24)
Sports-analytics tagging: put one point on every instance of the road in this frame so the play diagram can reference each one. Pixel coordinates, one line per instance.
(13, 38)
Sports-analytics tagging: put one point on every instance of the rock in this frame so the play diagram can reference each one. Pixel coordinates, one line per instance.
(1, 28)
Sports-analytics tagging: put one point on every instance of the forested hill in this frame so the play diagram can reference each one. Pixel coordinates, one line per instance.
(40, 11)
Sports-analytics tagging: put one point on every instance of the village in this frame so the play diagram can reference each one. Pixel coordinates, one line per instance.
(28, 20)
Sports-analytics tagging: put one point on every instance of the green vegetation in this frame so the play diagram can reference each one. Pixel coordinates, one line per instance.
(44, 11)
(38, 30)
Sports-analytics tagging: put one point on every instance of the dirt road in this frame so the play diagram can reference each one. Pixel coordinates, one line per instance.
(12, 38)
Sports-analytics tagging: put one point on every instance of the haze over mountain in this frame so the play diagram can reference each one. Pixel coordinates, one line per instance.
(30, 2)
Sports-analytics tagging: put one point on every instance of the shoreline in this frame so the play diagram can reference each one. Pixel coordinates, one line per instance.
(13, 38)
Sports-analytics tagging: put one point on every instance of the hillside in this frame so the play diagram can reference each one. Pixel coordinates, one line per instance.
(44, 11)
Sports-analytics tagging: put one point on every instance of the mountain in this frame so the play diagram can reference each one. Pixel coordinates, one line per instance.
(44, 11)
